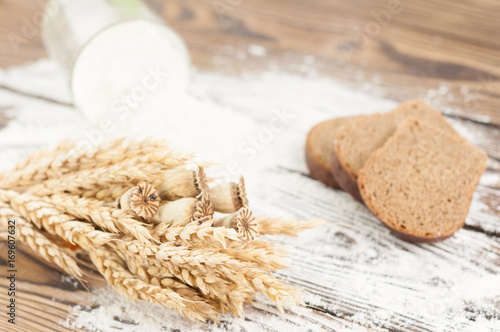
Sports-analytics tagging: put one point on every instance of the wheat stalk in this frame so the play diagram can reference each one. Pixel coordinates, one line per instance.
(132, 288)
(108, 218)
(39, 243)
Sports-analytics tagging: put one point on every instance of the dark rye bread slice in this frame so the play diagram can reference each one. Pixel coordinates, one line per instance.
(420, 183)
(357, 140)
(319, 145)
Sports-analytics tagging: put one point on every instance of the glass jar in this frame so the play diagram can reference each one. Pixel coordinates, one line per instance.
(117, 53)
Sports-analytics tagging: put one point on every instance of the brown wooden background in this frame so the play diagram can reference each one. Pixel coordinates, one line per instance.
(455, 42)
(428, 44)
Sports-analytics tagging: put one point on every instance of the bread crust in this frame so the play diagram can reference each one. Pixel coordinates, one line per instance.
(318, 172)
(343, 177)
(319, 164)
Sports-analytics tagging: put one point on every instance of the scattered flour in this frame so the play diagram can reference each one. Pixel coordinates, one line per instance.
(112, 312)
(70, 280)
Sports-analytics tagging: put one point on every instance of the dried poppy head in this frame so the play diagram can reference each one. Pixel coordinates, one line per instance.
(204, 210)
(246, 224)
(178, 212)
(142, 199)
(229, 197)
(201, 180)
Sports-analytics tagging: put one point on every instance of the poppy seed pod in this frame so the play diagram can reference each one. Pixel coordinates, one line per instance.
(142, 199)
(179, 183)
(243, 221)
(178, 213)
(229, 197)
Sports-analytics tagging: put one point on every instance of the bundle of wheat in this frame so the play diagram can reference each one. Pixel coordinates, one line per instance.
(144, 214)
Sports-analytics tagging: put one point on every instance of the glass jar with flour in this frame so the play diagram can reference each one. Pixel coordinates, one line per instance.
(118, 54)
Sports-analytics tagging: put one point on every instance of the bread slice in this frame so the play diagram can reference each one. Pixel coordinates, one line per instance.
(420, 183)
(357, 140)
(319, 146)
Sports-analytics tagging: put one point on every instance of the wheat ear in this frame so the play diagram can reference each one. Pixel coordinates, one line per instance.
(194, 268)
(65, 159)
(108, 194)
(34, 167)
(213, 264)
(110, 219)
(132, 288)
(46, 216)
(265, 255)
(39, 243)
(262, 253)
(159, 277)
(195, 233)
(75, 183)
(273, 226)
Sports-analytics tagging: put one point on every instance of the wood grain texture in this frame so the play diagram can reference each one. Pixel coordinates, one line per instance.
(347, 272)
(426, 45)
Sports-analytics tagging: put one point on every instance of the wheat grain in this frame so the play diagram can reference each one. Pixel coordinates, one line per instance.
(175, 258)
(263, 254)
(229, 295)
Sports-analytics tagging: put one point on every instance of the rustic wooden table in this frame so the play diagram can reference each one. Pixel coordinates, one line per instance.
(423, 45)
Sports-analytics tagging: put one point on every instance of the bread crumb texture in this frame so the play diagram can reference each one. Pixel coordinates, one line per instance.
(420, 183)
